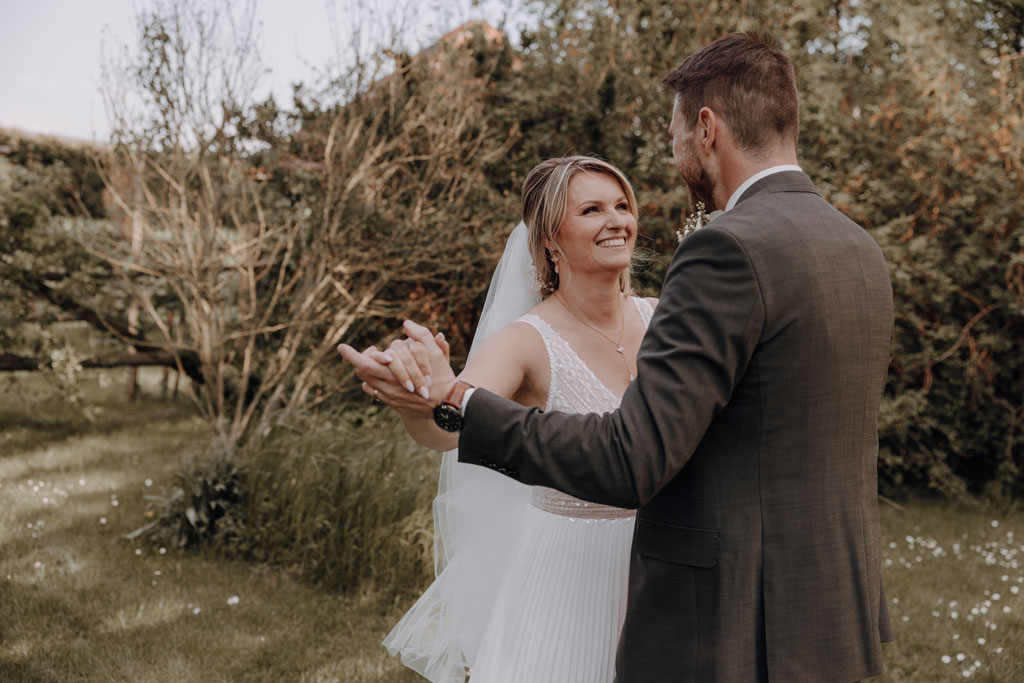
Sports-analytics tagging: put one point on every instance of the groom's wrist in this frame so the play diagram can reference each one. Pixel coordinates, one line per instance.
(449, 413)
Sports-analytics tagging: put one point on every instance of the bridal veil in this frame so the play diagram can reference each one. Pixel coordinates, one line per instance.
(477, 517)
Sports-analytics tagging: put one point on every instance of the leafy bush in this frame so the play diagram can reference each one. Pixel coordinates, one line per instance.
(942, 196)
(201, 505)
(76, 188)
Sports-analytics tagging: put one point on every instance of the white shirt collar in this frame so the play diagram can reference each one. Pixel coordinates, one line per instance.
(754, 178)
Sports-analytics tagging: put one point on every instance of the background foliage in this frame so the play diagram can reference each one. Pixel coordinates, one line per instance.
(386, 191)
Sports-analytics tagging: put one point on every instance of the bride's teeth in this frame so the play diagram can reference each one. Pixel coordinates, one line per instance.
(616, 242)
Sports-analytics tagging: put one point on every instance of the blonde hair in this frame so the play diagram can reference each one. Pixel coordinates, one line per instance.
(545, 195)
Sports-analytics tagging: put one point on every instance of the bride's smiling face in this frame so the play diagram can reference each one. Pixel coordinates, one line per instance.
(599, 230)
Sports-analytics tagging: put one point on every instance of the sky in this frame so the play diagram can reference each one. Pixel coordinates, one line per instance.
(50, 51)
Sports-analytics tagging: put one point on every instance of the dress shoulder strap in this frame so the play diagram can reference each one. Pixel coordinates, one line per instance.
(537, 323)
(549, 336)
(543, 329)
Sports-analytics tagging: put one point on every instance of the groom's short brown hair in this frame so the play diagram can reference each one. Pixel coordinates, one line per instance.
(748, 81)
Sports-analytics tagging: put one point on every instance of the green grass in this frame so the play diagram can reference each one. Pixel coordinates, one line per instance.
(80, 603)
(950, 575)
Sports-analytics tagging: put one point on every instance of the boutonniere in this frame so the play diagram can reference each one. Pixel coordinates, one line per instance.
(696, 221)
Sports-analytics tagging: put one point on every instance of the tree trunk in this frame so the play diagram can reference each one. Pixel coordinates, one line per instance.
(133, 307)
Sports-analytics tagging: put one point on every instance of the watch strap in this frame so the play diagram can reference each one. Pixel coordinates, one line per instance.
(457, 393)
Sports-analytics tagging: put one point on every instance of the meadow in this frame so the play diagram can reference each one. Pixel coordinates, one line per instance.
(80, 602)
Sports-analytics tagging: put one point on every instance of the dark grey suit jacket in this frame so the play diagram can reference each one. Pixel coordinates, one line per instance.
(749, 444)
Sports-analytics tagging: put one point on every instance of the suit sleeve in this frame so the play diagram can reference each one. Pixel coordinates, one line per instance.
(696, 349)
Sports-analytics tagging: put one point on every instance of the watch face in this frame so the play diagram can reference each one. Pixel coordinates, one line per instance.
(448, 417)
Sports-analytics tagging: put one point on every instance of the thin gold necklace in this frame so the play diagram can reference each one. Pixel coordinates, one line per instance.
(616, 344)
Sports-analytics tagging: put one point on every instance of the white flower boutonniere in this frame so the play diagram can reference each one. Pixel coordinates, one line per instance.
(696, 221)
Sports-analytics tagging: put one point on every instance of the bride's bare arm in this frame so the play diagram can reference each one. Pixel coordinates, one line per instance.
(507, 364)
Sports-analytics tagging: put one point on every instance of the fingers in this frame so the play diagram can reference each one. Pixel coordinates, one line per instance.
(370, 370)
(404, 367)
(374, 393)
(347, 352)
(381, 357)
(444, 345)
(418, 332)
(360, 361)
(422, 359)
(425, 337)
(407, 350)
(411, 365)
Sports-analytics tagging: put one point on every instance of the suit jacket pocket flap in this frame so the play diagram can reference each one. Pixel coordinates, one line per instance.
(679, 544)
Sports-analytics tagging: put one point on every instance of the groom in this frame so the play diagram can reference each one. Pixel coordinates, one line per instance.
(748, 440)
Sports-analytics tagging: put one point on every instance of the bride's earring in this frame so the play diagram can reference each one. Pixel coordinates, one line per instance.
(533, 278)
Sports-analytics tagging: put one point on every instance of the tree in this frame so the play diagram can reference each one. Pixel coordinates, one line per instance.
(49, 192)
(274, 258)
(911, 123)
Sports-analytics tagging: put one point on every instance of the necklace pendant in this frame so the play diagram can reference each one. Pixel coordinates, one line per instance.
(631, 378)
(619, 349)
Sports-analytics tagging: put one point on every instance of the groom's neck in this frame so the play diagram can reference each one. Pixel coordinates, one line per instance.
(736, 168)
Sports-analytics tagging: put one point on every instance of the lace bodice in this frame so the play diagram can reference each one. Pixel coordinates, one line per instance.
(574, 388)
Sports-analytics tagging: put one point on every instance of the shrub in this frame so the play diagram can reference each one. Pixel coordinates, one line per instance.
(344, 500)
(202, 504)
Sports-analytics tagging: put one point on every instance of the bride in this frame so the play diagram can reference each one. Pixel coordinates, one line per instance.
(531, 583)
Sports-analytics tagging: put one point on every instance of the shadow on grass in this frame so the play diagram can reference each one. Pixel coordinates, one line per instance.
(30, 431)
(51, 423)
(23, 673)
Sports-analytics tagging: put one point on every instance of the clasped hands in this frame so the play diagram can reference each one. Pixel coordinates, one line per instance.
(412, 376)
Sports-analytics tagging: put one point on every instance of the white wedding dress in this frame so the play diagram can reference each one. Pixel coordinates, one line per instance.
(548, 603)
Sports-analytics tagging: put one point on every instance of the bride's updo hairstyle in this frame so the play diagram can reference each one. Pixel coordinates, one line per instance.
(545, 195)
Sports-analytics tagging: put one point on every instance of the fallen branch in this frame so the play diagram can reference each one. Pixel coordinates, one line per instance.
(10, 362)
(35, 283)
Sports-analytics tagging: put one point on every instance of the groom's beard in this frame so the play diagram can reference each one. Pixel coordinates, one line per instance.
(697, 179)
(702, 189)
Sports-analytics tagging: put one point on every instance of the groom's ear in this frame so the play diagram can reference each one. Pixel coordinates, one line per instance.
(708, 129)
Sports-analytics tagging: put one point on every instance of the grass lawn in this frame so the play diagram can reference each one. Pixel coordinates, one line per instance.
(955, 584)
(80, 603)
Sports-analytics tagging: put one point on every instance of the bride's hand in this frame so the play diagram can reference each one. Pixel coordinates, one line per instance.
(432, 353)
(371, 367)
(410, 363)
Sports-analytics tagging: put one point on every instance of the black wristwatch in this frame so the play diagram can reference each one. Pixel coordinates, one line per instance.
(448, 413)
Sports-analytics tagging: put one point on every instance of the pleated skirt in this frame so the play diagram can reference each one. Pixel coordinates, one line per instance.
(561, 606)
